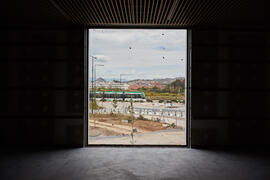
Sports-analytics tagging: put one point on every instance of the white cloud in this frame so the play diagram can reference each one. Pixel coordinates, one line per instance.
(153, 53)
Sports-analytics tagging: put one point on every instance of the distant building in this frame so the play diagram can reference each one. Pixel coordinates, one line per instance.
(144, 84)
(103, 84)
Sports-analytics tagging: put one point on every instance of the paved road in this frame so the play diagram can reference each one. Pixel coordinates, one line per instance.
(163, 137)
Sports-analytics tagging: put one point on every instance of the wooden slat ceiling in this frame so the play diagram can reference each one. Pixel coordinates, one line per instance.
(183, 13)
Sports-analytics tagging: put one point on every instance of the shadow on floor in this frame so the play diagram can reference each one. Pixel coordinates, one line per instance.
(133, 163)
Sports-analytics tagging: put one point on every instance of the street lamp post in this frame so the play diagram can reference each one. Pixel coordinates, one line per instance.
(92, 83)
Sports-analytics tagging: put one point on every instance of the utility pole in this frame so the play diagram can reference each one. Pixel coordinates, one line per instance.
(120, 81)
(121, 78)
(96, 76)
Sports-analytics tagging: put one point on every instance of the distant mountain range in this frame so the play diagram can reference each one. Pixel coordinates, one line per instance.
(100, 80)
(163, 81)
(168, 80)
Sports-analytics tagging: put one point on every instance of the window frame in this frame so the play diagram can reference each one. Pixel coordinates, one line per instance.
(187, 83)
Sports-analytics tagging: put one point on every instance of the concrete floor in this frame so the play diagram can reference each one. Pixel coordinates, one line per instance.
(133, 163)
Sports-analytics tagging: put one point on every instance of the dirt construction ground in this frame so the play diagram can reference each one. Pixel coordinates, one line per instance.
(107, 129)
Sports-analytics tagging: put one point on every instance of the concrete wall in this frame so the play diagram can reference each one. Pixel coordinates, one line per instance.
(230, 87)
(41, 86)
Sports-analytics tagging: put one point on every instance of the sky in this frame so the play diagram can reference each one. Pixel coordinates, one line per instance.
(138, 53)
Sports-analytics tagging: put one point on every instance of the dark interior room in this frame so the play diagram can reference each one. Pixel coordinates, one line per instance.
(44, 90)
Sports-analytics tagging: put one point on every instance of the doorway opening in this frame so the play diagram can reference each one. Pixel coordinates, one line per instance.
(137, 81)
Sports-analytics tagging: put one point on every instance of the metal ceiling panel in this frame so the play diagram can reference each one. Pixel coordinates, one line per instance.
(183, 13)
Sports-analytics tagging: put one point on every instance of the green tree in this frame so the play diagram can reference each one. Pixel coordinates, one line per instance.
(131, 111)
(155, 89)
(114, 103)
(175, 86)
(103, 97)
(94, 104)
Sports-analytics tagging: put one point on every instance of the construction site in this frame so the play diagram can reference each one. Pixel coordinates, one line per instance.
(146, 124)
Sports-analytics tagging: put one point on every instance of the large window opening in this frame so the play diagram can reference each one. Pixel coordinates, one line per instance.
(137, 87)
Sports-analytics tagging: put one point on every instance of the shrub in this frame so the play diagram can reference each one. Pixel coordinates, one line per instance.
(103, 100)
(94, 104)
(140, 117)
